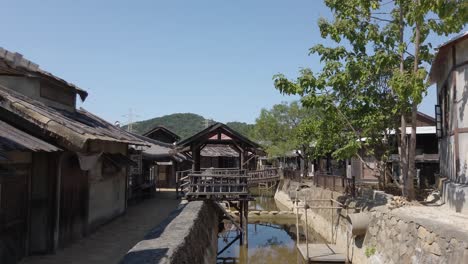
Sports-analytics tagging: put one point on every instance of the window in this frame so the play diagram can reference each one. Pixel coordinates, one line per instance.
(438, 116)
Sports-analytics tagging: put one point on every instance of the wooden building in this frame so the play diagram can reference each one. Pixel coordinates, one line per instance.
(219, 134)
(87, 178)
(427, 159)
(449, 72)
(219, 156)
(162, 134)
(159, 163)
(27, 193)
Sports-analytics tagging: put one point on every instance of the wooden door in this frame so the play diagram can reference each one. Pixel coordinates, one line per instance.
(42, 197)
(13, 213)
(73, 201)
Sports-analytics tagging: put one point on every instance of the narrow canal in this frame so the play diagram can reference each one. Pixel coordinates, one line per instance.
(270, 240)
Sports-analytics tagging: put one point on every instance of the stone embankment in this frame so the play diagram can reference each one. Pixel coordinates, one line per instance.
(189, 235)
(393, 236)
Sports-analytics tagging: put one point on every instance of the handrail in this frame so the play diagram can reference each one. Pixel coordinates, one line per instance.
(221, 181)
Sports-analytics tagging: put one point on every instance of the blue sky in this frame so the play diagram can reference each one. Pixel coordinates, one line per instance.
(215, 58)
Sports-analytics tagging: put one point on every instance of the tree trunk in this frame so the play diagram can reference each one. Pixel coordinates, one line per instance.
(306, 161)
(403, 148)
(404, 155)
(414, 114)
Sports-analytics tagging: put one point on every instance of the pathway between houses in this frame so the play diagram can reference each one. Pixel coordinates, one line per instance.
(110, 242)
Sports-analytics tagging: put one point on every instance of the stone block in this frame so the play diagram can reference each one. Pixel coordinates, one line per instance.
(403, 249)
(454, 243)
(434, 248)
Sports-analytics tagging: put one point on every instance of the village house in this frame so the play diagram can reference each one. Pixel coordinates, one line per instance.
(26, 163)
(162, 134)
(157, 168)
(64, 170)
(449, 72)
(160, 160)
(427, 159)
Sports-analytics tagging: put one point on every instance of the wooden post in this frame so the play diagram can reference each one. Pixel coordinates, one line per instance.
(297, 219)
(242, 158)
(353, 186)
(241, 218)
(246, 228)
(196, 158)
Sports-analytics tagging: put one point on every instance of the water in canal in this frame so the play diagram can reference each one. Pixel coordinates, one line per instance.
(270, 241)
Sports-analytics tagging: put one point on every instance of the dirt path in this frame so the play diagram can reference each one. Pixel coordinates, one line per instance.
(110, 242)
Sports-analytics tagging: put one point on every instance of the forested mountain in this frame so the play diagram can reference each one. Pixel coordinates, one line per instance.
(186, 124)
(243, 128)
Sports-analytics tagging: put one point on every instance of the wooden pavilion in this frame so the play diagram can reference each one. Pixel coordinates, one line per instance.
(219, 134)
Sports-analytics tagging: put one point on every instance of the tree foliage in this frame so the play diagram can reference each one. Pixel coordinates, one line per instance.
(277, 129)
(374, 75)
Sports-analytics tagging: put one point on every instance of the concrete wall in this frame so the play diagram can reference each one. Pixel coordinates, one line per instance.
(398, 236)
(189, 235)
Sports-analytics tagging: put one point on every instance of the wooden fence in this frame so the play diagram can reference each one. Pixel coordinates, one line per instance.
(336, 183)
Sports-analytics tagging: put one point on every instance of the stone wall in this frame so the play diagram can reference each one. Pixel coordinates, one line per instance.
(393, 236)
(401, 238)
(189, 235)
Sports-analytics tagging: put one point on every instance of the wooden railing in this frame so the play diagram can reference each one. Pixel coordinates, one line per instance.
(221, 182)
(265, 175)
(182, 182)
(336, 183)
(213, 184)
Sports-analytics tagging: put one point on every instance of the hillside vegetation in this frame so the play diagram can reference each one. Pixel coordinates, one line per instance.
(186, 124)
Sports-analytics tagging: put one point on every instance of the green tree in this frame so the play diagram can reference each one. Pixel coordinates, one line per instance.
(376, 77)
(276, 129)
(243, 128)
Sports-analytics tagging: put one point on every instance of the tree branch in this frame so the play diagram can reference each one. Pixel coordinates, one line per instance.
(382, 19)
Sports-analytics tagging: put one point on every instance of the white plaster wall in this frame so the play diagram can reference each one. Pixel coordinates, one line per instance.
(461, 100)
(446, 67)
(463, 158)
(446, 152)
(106, 196)
(456, 197)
